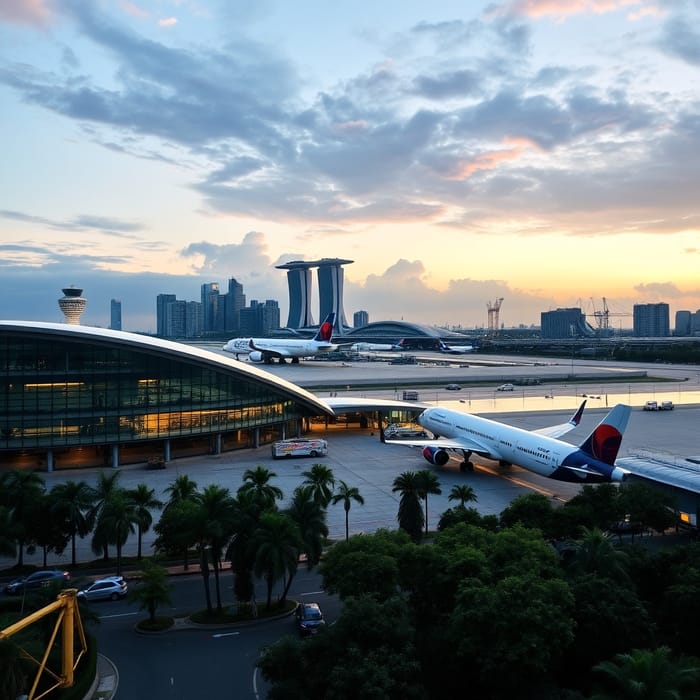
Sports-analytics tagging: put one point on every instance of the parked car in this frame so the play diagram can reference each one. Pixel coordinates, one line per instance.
(108, 588)
(506, 387)
(666, 406)
(39, 579)
(453, 387)
(650, 406)
(309, 618)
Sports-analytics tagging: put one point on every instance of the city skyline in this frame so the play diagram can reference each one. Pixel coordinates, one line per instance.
(539, 151)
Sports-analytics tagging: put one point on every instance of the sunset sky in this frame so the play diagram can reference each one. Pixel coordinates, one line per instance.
(542, 151)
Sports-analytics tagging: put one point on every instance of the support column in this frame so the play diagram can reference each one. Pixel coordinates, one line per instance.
(166, 450)
(49, 461)
(115, 456)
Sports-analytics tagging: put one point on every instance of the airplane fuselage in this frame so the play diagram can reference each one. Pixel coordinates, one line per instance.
(543, 455)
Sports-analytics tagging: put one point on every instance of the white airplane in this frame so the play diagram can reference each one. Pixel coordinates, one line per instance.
(539, 450)
(267, 349)
(365, 347)
(454, 349)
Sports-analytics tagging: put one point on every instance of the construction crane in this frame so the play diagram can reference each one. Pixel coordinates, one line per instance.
(494, 308)
(602, 318)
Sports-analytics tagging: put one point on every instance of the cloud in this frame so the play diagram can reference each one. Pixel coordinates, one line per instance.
(564, 8)
(659, 291)
(31, 12)
(83, 222)
(681, 39)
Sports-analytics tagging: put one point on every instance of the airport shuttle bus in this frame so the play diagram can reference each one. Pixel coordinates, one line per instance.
(299, 447)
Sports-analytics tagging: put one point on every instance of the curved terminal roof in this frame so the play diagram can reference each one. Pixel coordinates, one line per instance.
(171, 348)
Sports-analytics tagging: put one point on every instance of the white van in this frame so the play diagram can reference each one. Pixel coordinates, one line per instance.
(299, 447)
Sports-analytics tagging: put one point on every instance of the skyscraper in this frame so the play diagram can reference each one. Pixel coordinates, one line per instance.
(330, 290)
(210, 306)
(115, 315)
(162, 301)
(299, 283)
(651, 320)
(234, 301)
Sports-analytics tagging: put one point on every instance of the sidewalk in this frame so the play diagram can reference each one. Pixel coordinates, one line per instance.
(107, 680)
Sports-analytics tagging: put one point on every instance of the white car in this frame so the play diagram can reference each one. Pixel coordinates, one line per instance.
(505, 387)
(108, 588)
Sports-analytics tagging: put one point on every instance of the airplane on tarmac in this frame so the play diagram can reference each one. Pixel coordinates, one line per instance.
(267, 349)
(454, 349)
(365, 347)
(539, 450)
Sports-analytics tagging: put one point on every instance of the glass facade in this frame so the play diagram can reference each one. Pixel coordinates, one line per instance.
(57, 390)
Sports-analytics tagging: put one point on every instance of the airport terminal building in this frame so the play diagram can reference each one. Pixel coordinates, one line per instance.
(75, 396)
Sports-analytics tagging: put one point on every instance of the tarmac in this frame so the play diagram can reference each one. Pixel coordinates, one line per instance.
(358, 457)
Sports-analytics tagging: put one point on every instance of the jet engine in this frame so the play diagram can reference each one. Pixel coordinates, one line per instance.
(255, 356)
(436, 455)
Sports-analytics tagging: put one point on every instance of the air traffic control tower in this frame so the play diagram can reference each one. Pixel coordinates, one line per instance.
(330, 291)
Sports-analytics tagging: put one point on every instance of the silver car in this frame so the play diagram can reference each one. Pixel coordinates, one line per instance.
(108, 588)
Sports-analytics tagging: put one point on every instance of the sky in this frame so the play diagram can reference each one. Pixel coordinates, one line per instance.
(546, 152)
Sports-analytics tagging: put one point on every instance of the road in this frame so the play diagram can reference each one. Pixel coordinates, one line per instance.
(196, 663)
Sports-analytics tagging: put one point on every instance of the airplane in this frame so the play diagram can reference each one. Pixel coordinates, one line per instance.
(365, 347)
(267, 349)
(538, 451)
(454, 349)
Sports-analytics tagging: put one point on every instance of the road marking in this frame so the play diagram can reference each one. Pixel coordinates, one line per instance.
(314, 593)
(109, 617)
(225, 634)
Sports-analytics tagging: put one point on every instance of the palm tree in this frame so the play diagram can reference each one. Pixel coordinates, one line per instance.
(118, 519)
(217, 521)
(595, 553)
(276, 544)
(347, 494)
(105, 487)
(145, 501)
(72, 502)
(462, 493)
(257, 482)
(246, 519)
(44, 533)
(410, 516)
(310, 518)
(650, 674)
(428, 483)
(19, 491)
(153, 589)
(182, 489)
(321, 479)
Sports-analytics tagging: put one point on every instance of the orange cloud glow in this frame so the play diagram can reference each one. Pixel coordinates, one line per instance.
(562, 8)
(490, 160)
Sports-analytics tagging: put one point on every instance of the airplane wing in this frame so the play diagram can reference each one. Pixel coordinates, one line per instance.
(270, 350)
(446, 444)
(555, 431)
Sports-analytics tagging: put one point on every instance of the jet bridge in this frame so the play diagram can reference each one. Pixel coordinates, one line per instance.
(677, 476)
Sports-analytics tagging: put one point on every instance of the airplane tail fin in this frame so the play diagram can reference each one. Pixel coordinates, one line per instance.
(604, 442)
(325, 330)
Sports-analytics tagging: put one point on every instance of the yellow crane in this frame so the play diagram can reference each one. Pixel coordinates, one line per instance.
(73, 642)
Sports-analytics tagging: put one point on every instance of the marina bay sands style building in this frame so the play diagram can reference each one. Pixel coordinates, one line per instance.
(330, 291)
